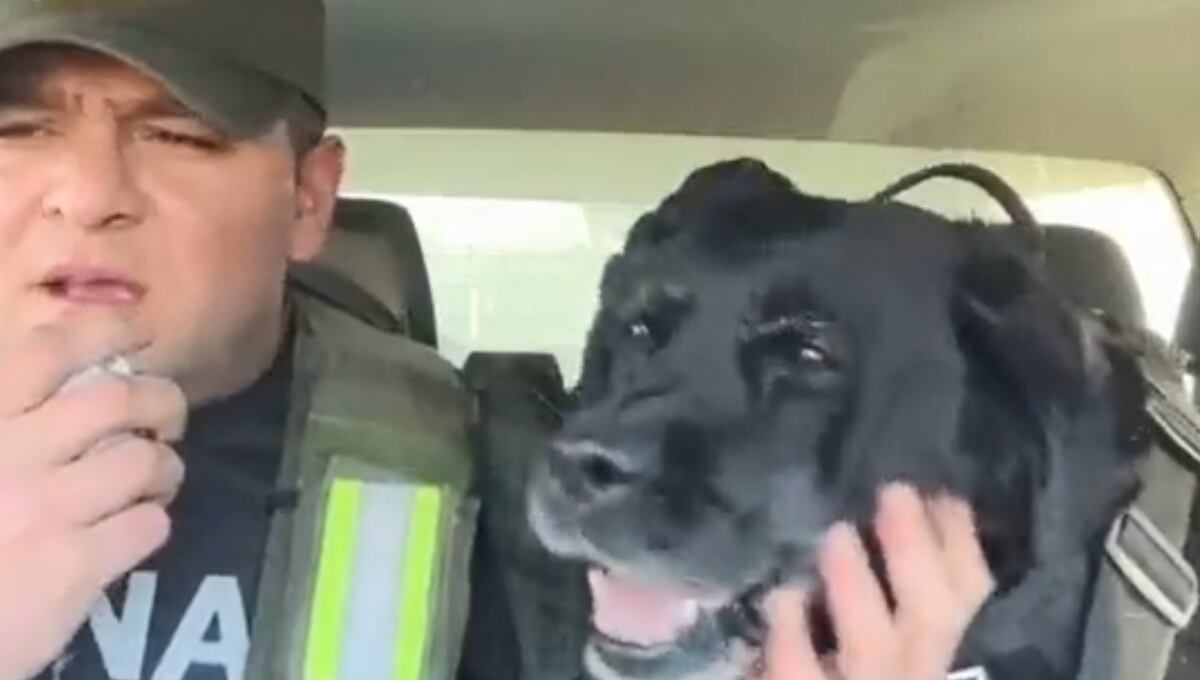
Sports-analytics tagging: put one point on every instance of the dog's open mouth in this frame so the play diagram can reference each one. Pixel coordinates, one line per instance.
(648, 615)
(649, 631)
(636, 615)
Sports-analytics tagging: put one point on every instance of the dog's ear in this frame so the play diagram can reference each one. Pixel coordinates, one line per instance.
(1029, 384)
(1084, 394)
(1006, 312)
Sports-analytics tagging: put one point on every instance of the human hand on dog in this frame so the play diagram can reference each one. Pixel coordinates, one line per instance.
(81, 497)
(938, 574)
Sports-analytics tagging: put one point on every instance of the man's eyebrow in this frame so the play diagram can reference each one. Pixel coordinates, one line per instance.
(20, 92)
(164, 106)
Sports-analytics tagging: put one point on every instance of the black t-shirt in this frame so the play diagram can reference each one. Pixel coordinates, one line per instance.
(186, 613)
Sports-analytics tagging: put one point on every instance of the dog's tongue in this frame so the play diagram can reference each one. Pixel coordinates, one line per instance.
(639, 613)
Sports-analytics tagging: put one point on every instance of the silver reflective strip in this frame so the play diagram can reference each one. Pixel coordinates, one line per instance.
(373, 604)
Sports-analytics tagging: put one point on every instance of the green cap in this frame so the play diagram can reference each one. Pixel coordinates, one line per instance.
(236, 63)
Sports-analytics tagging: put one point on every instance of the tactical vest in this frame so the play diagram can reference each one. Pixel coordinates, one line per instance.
(366, 569)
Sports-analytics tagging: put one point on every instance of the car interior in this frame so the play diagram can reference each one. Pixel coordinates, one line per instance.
(499, 151)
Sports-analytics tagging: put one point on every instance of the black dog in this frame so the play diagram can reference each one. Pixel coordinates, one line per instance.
(763, 360)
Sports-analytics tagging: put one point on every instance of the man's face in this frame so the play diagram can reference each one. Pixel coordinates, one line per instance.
(113, 197)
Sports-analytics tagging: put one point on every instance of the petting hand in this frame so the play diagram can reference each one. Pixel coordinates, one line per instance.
(940, 580)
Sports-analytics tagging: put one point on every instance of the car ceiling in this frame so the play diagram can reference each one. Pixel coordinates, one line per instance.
(1107, 79)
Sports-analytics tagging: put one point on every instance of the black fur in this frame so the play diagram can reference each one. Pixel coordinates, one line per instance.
(763, 360)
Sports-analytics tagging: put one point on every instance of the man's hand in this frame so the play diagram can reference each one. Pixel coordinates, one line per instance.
(82, 500)
(940, 579)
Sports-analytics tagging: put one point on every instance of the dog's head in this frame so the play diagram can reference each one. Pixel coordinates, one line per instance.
(762, 360)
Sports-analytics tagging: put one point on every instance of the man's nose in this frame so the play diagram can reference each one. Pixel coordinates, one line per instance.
(94, 184)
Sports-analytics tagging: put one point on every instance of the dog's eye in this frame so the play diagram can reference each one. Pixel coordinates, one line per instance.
(795, 339)
(645, 334)
(657, 319)
(791, 354)
(813, 354)
(653, 331)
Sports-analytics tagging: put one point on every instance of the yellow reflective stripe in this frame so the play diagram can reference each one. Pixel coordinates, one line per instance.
(421, 559)
(338, 533)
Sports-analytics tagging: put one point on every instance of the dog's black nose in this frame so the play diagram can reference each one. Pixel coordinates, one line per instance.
(591, 469)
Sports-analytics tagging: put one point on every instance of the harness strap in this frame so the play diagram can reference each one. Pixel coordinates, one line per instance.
(1149, 562)
(1146, 587)
(1141, 552)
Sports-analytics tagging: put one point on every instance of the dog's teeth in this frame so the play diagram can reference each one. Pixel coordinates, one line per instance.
(711, 603)
(691, 609)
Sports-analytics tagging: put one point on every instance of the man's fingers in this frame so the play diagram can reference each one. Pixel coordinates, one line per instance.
(965, 563)
(71, 423)
(113, 404)
(913, 556)
(939, 577)
(932, 612)
(867, 639)
(122, 541)
(788, 654)
(134, 470)
(36, 365)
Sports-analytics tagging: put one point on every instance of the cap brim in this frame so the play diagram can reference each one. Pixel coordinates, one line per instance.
(239, 101)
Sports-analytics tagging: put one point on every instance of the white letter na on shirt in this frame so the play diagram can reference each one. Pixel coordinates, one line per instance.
(122, 641)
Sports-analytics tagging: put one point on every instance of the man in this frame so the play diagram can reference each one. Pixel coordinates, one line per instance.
(162, 162)
(151, 210)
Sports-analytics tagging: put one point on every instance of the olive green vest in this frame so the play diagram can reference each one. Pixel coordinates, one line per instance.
(366, 569)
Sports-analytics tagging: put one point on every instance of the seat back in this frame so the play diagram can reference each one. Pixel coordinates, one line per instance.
(374, 266)
(1090, 268)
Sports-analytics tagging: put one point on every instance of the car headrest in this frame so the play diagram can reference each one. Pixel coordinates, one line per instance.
(1091, 270)
(373, 268)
